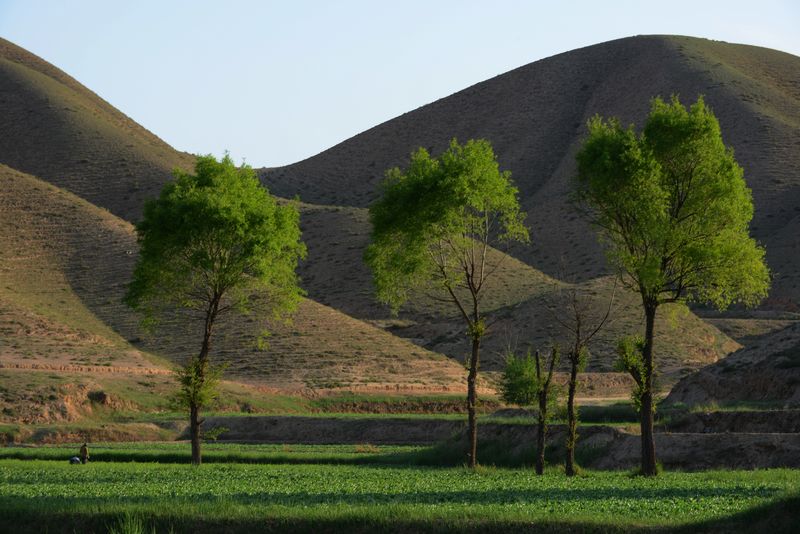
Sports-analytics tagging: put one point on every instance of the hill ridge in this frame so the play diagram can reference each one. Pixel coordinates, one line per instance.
(535, 117)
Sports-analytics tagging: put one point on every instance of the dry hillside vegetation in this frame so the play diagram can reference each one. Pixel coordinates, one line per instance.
(48, 237)
(61, 286)
(518, 297)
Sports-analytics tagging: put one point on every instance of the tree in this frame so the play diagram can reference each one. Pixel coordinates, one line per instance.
(673, 210)
(214, 242)
(581, 325)
(530, 380)
(433, 228)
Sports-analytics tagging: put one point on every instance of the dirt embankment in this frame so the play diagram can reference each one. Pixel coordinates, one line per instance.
(64, 404)
(328, 430)
(696, 452)
(113, 432)
(602, 447)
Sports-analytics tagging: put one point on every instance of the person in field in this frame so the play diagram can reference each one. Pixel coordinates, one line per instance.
(84, 454)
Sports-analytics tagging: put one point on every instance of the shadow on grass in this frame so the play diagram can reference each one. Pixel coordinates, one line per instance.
(780, 516)
(777, 517)
(448, 453)
(494, 496)
(99, 523)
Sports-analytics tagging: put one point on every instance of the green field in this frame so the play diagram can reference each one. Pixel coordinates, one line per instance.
(301, 487)
(177, 452)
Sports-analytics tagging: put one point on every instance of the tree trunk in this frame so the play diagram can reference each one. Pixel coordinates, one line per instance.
(472, 400)
(648, 441)
(572, 417)
(541, 433)
(194, 405)
(194, 432)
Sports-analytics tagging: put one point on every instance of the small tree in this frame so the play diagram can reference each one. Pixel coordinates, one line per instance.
(630, 359)
(581, 325)
(527, 381)
(433, 228)
(214, 242)
(673, 210)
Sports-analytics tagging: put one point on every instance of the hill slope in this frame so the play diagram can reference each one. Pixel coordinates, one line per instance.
(535, 117)
(64, 271)
(767, 371)
(58, 130)
(518, 298)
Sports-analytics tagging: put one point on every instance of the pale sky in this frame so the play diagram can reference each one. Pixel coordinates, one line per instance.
(277, 82)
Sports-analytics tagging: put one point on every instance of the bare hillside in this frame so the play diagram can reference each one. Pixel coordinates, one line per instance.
(64, 272)
(58, 130)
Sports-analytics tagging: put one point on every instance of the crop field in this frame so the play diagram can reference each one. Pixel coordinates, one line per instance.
(297, 487)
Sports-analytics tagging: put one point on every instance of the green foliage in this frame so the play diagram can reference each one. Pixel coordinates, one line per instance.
(519, 384)
(583, 358)
(198, 382)
(439, 216)
(216, 234)
(673, 207)
(212, 434)
(630, 352)
(524, 378)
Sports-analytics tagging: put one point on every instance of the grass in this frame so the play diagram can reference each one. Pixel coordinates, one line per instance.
(492, 452)
(178, 452)
(44, 495)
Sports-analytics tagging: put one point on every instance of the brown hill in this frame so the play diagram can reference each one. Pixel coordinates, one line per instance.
(58, 130)
(535, 117)
(518, 300)
(767, 372)
(64, 270)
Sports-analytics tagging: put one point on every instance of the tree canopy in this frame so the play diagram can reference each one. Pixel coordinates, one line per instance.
(436, 220)
(216, 238)
(673, 207)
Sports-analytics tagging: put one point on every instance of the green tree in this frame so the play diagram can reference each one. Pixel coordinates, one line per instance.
(674, 211)
(432, 229)
(528, 380)
(214, 242)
